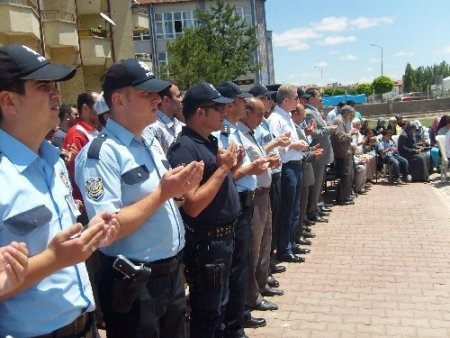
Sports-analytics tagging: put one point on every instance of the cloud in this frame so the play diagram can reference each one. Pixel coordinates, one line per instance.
(331, 24)
(321, 64)
(337, 40)
(334, 52)
(446, 50)
(400, 54)
(295, 39)
(369, 69)
(363, 22)
(348, 57)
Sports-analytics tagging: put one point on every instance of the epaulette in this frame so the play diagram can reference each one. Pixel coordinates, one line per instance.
(96, 146)
(225, 130)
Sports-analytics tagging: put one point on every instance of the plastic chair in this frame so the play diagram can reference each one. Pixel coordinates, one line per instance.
(440, 140)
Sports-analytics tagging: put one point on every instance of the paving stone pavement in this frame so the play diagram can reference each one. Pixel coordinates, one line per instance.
(379, 268)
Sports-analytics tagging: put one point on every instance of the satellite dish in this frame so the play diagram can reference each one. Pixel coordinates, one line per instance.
(107, 18)
(136, 2)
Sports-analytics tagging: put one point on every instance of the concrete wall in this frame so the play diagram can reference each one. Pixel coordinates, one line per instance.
(404, 108)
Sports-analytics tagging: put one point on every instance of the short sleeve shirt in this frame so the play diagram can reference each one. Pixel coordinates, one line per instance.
(225, 207)
(35, 204)
(128, 169)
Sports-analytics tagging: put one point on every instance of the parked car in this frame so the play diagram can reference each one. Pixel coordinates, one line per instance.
(412, 96)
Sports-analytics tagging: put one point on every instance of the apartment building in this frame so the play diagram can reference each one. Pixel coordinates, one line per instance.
(168, 19)
(88, 34)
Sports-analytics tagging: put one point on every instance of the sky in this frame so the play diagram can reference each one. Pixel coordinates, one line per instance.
(333, 37)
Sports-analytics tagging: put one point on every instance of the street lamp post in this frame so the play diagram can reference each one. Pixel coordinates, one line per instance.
(381, 50)
(321, 74)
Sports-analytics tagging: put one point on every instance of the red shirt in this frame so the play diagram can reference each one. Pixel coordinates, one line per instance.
(77, 137)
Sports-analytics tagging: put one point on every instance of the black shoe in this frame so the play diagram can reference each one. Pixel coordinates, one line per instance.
(272, 292)
(326, 209)
(265, 305)
(321, 219)
(300, 251)
(302, 241)
(272, 282)
(323, 213)
(348, 202)
(290, 258)
(253, 322)
(308, 222)
(277, 268)
(306, 234)
(306, 229)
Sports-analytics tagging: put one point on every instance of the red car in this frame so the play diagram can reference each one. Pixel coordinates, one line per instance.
(413, 96)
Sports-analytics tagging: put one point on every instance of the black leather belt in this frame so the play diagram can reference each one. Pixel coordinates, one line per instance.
(297, 162)
(246, 198)
(261, 190)
(212, 233)
(81, 326)
(163, 266)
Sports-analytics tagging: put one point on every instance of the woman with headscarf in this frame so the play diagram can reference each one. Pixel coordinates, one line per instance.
(432, 132)
(413, 150)
(380, 125)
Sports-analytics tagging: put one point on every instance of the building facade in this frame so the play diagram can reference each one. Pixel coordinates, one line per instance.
(168, 19)
(88, 34)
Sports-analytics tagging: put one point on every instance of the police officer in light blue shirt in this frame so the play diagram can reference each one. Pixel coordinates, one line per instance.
(245, 178)
(37, 208)
(125, 171)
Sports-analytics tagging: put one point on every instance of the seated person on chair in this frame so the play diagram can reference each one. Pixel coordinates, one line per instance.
(389, 154)
(416, 152)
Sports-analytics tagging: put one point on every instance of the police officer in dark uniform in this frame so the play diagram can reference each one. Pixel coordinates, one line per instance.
(210, 212)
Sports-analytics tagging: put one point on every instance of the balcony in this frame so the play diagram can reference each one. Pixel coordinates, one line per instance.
(86, 7)
(140, 19)
(19, 18)
(60, 29)
(95, 50)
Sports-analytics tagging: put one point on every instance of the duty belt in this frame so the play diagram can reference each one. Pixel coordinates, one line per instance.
(163, 266)
(212, 233)
(82, 325)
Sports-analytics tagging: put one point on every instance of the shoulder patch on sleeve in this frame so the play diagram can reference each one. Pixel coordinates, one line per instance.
(225, 130)
(95, 188)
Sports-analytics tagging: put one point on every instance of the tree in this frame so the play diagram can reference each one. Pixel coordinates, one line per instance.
(364, 88)
(221, 47)
(409, 79)
(382, 84)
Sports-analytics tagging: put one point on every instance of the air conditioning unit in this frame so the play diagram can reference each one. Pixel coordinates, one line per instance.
(143, 56)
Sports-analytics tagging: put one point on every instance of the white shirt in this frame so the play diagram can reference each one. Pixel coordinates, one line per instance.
(280, 122)
(447, 144)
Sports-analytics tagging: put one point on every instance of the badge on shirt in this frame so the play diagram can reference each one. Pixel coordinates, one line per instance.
(267, 138)
(65, 179)
(166, 164)
(95, 189)
(73, 205)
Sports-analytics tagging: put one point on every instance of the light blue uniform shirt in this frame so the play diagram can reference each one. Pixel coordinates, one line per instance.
(128, 169)
(247, 182)
(35, 204)
(263, 133)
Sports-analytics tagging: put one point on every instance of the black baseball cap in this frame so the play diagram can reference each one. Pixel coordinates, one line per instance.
(19, 62)
(203, 92)
(261, 90)
(231, 90)
(132, 73)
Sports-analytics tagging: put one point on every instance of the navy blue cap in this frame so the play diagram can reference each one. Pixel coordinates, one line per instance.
(204, 92)
(19, 62)
(132, 73)
(261, 90)
(231, 90)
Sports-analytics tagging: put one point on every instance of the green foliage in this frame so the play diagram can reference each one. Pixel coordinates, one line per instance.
(364, 88)
(336, 91)
(382, 84)
(420, 79)
(220, 48)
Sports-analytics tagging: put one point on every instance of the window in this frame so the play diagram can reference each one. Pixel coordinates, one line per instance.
(138, 36)
(162, 65)
(169, 25)
(245, 14)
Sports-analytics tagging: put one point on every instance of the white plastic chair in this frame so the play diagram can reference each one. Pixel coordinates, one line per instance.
(440, 140)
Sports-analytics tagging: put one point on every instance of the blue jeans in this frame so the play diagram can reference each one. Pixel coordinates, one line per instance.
(289, 213)
(399, 164)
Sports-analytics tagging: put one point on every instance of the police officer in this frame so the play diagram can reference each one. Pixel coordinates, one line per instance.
(37, 208)
(126, 172)
(245, 178)
(210, 212)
